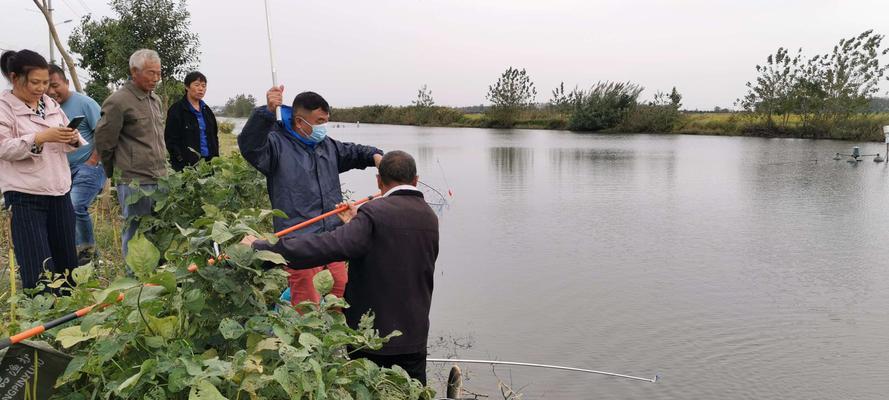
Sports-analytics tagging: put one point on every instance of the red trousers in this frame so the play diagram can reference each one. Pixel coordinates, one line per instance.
(302, 288)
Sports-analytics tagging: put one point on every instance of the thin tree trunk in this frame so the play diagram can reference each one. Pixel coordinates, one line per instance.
(72, 68)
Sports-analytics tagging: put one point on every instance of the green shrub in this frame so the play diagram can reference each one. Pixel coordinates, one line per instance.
(226, 127)
(649, 118)
(604, 106)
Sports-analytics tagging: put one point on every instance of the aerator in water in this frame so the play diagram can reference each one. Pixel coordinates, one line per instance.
(856, 156)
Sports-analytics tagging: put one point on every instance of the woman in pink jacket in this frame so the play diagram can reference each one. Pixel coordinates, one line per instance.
(34, 175)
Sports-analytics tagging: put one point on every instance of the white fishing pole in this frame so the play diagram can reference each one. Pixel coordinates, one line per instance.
(521, 364)
(268, 26)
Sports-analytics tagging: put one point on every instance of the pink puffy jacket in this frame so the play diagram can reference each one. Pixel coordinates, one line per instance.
(21, 170)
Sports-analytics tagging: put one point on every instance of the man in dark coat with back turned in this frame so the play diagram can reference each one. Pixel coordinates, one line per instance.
(391, 244)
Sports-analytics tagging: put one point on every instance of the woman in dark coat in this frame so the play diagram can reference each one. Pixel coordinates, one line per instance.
(191, 133)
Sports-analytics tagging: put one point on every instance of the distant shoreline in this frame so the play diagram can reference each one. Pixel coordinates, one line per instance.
(691, 123)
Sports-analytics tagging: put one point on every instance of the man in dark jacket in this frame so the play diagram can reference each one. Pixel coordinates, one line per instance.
(391, 244)
(302, 167)
(191, 133)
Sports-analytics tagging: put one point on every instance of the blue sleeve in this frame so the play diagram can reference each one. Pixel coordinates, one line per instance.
(254, 142)
(351, 156)
(92, 112)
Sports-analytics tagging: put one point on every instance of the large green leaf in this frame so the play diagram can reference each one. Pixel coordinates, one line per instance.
(82, 274)
(142, 256)
(271, 256)
(230, 329)
(194, 300)
(165, 327)
(220, 233)
(205, 390)
(109, 295)
(309, 340)
(72, 335)
(323, 282)
(147, 367)
(240, 255)
(166, 279)
(283, 333)
(142, 295)
(95, 317)
(271, 343)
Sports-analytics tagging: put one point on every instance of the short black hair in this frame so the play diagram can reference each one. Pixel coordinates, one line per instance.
(310, 101)
(194, 76)
(55, 69)
(21, 63)
(398, 167)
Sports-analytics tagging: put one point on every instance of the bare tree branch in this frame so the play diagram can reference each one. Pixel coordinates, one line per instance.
(72, 68)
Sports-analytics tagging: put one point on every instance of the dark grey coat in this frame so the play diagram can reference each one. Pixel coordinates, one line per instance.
(302, 181)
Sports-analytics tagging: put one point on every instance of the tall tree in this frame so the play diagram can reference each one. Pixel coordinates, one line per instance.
(105, 45)
(512, 92)
(849, 76)
(772, 93)
(675, 98)
(563, 102)
(825, 90)
(424, 98)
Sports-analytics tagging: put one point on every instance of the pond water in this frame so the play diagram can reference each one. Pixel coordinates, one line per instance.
(734, 268)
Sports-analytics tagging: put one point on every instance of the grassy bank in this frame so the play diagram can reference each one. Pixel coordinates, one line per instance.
(862, 127)
(445, 117)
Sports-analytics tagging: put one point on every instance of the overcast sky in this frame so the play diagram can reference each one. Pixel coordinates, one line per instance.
(357, 52)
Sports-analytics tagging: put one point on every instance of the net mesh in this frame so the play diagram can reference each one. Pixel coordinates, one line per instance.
(436, 198)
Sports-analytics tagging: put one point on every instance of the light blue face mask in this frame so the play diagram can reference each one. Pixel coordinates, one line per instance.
(319, 132)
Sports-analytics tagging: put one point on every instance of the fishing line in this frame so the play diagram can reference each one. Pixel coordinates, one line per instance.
(444, 177)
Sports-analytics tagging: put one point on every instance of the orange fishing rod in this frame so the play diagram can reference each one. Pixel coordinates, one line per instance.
(330, 213)
(4, 343)
(335, 211)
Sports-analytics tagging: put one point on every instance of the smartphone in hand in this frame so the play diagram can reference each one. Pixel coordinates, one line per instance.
(75, 122)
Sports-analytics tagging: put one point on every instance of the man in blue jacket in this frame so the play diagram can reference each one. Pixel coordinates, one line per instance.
(302, 166)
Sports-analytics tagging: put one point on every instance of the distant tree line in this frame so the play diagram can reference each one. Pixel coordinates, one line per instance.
(422, 111)
(603, 106)
(822, 95)
(239, 106)
(606, 105)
